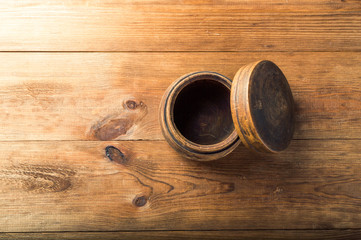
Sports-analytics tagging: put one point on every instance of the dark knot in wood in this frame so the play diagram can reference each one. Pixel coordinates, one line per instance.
(131, 104)
(140, 201)
(114, 154)
(118, 123)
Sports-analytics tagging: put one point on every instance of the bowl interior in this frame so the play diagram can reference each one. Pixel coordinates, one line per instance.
(202, 112)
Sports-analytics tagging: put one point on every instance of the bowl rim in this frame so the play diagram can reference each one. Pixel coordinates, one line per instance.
(175, 134)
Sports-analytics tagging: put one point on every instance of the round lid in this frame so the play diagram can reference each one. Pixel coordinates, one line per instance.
(262, 107)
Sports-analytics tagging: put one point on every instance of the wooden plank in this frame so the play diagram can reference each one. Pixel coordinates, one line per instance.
(74, 96)
(244, 234)
(194, 6)
(73, 186)
(149, 25)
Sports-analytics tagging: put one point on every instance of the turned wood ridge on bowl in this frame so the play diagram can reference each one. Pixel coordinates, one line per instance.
(204, 115)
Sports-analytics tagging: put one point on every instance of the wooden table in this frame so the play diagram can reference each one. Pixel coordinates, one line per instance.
(78, 76)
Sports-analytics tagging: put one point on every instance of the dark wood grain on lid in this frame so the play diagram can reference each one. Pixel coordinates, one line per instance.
(262, 107)
(271, 105)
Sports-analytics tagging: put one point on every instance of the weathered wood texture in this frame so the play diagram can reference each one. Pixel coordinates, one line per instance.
(60, 109)
(84, 96)
(74, 186)
(204, 25)
(179, 235)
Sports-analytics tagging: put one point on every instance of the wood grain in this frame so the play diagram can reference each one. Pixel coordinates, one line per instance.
(193, 6)
(149, 25)
(350, 234)
(76, 74)
(74, 186)
(115, 96)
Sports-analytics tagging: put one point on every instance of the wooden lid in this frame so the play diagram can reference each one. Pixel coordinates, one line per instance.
(262, 107)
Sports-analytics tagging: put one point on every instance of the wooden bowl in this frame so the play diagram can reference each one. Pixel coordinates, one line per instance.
(204, 116)
(195, 116)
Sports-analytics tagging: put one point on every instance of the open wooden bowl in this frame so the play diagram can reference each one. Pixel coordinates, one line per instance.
(204, 115)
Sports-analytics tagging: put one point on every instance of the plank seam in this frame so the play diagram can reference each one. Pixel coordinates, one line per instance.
(195, 230)
(215, 51)
(163, 140)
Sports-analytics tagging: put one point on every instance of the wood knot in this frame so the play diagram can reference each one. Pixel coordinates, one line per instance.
(120, 122)
(140, 201)
(114, 154)
(132, 105)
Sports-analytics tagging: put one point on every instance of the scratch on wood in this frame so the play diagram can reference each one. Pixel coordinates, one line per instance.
(349, 188)
(38, 178)
(44, 94)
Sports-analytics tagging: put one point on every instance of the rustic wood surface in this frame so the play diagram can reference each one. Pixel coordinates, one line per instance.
(197, 235)
(81, 151)
(190, 25)
(63, 96)
(146, 185)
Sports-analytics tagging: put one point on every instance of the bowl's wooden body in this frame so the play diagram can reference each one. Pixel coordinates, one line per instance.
(181, 144)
